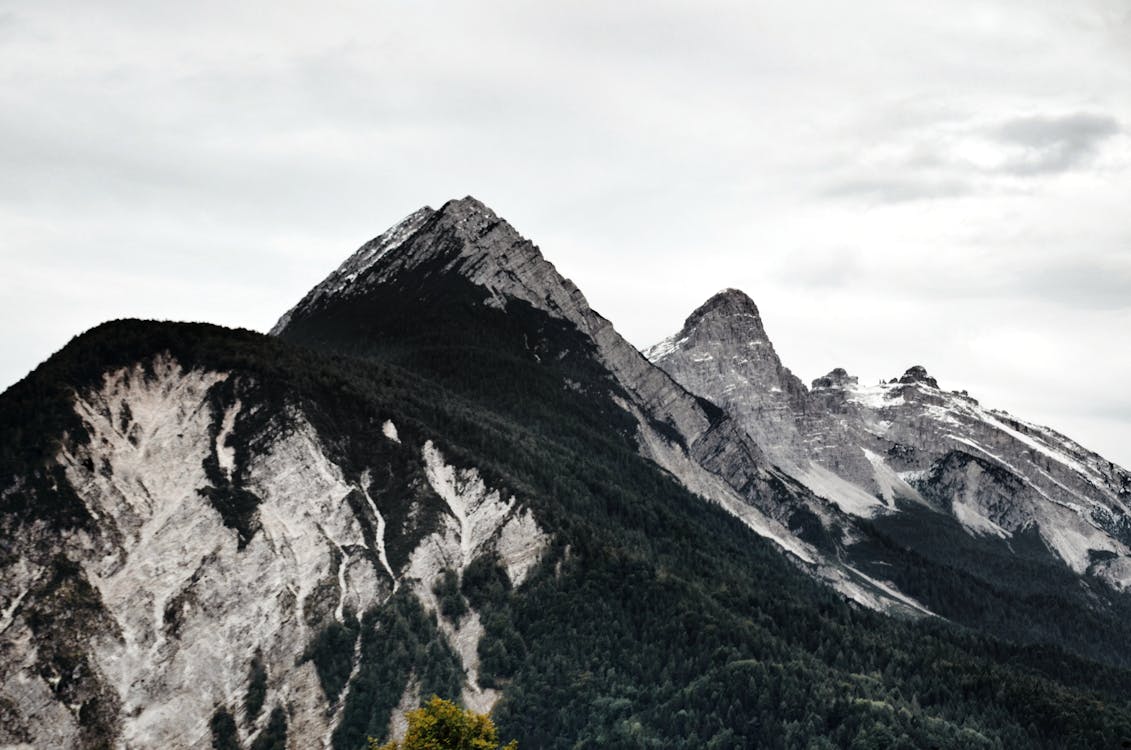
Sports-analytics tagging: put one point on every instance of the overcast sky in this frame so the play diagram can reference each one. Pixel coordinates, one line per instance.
(894, 183)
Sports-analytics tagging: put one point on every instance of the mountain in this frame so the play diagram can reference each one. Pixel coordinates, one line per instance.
(723, 353)
(428, 292)
(922, 476)
(444, 473)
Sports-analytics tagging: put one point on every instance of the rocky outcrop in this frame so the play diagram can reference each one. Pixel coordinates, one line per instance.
(734, 365)
(465, 237)
(724, 354)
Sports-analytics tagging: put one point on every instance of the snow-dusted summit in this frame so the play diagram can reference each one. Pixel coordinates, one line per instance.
(875, 450)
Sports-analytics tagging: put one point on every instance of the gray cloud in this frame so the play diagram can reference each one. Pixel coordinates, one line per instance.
(1082, 281)
(930, 161)
(1054, 144)
(1086, 283)
(822, 270)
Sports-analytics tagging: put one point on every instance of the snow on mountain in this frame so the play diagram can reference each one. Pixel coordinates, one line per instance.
(344, 278)
(868, 448)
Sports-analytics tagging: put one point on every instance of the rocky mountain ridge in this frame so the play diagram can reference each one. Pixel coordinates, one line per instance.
(867, 447)
(703, 447)
(444, 472)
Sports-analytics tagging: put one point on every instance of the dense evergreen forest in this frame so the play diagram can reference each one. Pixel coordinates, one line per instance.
(657, 619)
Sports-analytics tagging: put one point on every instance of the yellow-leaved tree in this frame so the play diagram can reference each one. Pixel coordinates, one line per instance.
(442, 725)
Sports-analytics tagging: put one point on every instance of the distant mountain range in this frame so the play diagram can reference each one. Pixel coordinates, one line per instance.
(443, 472)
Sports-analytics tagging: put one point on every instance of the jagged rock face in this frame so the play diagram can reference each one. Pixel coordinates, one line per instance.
(707, 451)
(467, 239)
(867, 449)
(999, 474)
(143, 626)
(723, 353)
(918, 374)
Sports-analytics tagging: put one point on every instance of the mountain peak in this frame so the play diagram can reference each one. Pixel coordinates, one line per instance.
(728, 316)
(466, 205)
(724, 354)
(468, 212)
(730, 310)
(344, 279)
(464, 242)
(917, 374)
(837, 378)
(727, 303)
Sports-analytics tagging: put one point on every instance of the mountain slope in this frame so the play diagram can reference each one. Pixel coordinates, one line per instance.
(646, 607)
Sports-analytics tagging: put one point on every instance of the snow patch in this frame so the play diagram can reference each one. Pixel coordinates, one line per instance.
(876, 396)
(664, 348)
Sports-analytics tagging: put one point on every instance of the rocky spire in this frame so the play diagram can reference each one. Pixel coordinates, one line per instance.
(465, 236)
(723, 353)
(729, 304)
(918, 375)
(731, 309)
(837, 378)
